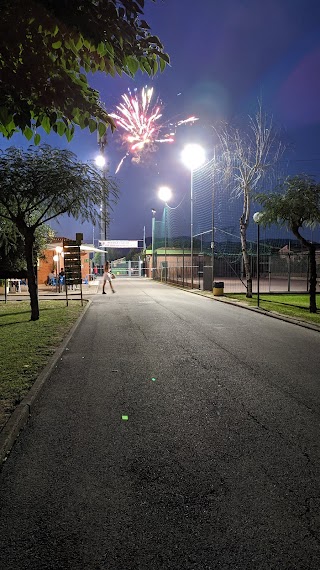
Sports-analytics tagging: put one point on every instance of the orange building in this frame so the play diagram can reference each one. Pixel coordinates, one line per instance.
(51, 260)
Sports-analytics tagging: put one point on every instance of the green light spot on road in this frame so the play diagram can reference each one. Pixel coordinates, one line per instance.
(125, 418)
(153, 379)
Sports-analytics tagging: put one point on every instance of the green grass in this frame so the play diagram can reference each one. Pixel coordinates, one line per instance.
(292, 305)
(27, 345)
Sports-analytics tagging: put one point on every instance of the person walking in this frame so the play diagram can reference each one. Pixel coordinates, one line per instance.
(107, 276)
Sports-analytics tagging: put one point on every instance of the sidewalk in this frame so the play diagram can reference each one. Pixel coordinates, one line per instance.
(49, 292)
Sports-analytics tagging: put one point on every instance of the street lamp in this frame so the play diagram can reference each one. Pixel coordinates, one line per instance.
(256, 219)
(100, 161)
(56, 258)
(152, 242)
(193, 156)
(165, 195)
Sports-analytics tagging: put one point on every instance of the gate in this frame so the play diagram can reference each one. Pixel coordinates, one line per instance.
(128, 268)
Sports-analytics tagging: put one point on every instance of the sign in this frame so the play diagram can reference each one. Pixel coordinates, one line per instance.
(72, 262)
(119, 243)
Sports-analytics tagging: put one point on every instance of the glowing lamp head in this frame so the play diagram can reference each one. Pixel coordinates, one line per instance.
(257, 217)
(193, 156)
(100, 161)
(164, 193)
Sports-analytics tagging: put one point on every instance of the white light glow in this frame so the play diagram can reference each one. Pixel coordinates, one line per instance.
(165, 193)
(100, 160)
(256, 217)
(193, 156)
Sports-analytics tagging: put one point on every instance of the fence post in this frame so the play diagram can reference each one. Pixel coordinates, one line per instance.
(183, 267)
(269, 272)
(289, 272)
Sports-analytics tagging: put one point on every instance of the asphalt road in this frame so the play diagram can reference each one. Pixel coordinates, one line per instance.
(216, 467)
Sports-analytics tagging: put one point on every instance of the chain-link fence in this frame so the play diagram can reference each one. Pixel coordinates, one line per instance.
(212, 217)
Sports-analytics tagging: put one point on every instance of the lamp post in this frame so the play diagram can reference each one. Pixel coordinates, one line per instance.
(101, 163)
(56, 258)
(193, 156)
(165, 195)
(152, 242)
(256, 219)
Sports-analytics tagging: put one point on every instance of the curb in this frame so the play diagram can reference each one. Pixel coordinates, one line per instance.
(20, 416)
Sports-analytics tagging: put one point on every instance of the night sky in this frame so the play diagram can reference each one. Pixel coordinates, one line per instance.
(224, 55)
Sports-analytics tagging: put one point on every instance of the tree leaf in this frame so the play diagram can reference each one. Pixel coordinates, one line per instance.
(28, 133)
(92, 125)
(102, 127)
(46, 125)
(61, 128)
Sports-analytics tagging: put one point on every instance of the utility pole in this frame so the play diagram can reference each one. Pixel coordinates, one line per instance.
(144, 251)
(102, 142)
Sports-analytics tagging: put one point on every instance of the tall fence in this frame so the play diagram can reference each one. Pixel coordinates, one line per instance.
(216, 238)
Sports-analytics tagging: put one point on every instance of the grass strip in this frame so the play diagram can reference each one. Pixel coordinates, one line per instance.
(295, 306)
(26, 346)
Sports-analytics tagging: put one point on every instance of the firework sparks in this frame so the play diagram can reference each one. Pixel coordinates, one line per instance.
(139, 118)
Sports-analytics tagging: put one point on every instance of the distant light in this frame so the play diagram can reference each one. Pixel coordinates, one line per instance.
(193, 156)
(100, 160)
(165, 193)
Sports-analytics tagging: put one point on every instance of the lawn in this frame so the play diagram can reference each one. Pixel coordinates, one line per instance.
(27, 345)
(292, 305)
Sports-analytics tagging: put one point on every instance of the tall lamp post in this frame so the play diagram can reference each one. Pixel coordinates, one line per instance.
(256, 219)
(101, 163)
(193, 156)
(152, 242)
(165, 195)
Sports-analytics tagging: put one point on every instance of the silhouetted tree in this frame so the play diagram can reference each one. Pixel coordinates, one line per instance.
(42, 183)
(295, 206)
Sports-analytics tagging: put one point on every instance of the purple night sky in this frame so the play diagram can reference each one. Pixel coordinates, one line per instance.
(224, 55)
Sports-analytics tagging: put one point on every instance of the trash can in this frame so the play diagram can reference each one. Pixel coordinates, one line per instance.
(218, 287)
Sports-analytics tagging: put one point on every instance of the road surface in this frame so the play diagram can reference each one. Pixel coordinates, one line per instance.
(216, 466)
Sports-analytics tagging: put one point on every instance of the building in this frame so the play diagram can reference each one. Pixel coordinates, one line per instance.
(51, 260)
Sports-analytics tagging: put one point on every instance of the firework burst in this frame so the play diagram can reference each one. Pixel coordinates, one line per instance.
(140, 119)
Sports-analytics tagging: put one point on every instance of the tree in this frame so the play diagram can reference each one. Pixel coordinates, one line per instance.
(12, 258)
(47, 47)
(248, 155)
(295, 207)
(42, 183)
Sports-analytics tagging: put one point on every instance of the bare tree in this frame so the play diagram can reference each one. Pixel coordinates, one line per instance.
(248, 155)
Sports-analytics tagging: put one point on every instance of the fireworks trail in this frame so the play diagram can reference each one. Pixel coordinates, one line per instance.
(139, 118)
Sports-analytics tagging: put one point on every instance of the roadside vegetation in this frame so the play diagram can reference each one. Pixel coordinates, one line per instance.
(291, 305)
(26, 346)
